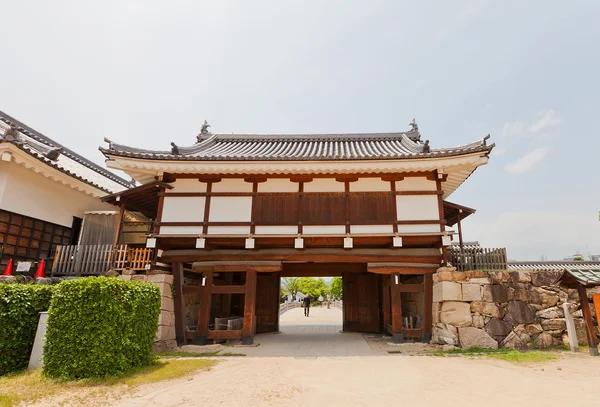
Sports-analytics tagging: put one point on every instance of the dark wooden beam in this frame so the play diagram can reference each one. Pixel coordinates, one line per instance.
(204, 308)
(400, 268)
(233, 334)
(119, 225)
(587, 316)
(228, 289)
(249, 309)
(177, 271)
(428, 307)
(385, 286)
(320, 269)
(233, 266)
(396, 303)
(411, 288)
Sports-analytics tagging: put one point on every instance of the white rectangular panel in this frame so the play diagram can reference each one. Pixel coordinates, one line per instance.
(417, 207)
(230, 209)
(418, 229)
(324, 230)
(181, 230)
(183, 209)
(324, 185)
(278, 185)
(187, 185)
(372, 228)
(370, 185)
(276, 230)
(416, 184)
(232, 185)
(229, 230)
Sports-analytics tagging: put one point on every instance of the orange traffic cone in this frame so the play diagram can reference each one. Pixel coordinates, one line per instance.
(8, 271)
(39, 273)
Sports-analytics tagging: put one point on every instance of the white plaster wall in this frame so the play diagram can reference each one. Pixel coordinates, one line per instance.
(276, 230)
(3, 177)
(416, 184)
(417, 207)
(183, 209)
(324, 230)
(31, 194)
(418, 229)
(370, 185)
(278, 185)
(372, 229)
(187, 185)
(229, 230)
(232, 185)
(181, 230)
(230, 209)
(324, 185)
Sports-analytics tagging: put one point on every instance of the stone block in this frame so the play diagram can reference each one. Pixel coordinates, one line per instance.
(444, 334)
(139, 277)
(545, 340)
(165, 333)
(446, 291)
(456, 313)
(129, 272)
(165, 289)
(8, 279)
(160, 278)
(483, 280)
(581, 329)
(476, 274)
(499, 277)
(166, 318)
(124, 277)
(495, 293)
(444, 269)
(444, 276)
(478, 321)
(555, 324)
(167, 304)
(161, 346)
(542, 278)
(111, 273)
(470, 337)
(491, 309)
(517, 339)
(43, 281)
(533, 329)
(522, 276)
(550, 313)
(471, 292)
(520, 312)
(435, 311)
(498, 329)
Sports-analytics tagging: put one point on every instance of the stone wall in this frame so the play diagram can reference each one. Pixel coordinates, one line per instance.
(522, 309)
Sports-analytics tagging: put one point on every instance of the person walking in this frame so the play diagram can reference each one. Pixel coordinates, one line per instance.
(321, 300)
(306, 305)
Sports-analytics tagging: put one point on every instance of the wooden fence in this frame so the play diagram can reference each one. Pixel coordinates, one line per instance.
(93, 260)
(478, 258)
(286, 306)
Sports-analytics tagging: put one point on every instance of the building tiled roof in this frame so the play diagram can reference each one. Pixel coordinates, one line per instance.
(586, 276)
(552, 265)
(68, 162)
(301, 147)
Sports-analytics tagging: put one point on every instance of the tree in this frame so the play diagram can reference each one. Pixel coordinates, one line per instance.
(336, 287)
(313, 287)
(291, 285)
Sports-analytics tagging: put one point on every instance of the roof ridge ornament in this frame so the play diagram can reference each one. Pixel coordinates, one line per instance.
(174, 149)
(414, 125)
(54, 153)
(413, 133)
(11, 134)
(203, 132)
(426, 147)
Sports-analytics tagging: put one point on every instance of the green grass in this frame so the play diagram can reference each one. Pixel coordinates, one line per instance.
(181, 354)
(509, 355)
(31, 386)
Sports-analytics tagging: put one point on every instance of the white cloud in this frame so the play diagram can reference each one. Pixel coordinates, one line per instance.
(527, 162)
(499, 151)
(547, 119)
(512, 129)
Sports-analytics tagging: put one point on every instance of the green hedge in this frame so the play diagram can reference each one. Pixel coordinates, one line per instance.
(20, 306)
(100, 327)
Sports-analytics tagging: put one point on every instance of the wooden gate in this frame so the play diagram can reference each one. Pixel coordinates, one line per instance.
(361, 302)
(267, 302)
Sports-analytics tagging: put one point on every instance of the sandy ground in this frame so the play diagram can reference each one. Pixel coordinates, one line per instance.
(380, 381)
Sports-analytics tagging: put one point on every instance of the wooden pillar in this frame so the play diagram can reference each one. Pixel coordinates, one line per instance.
(177, 271)
(119, 225)
(428, 307)
(204, 308)
(226, 303)
(387, 318)
(460, 241)
(249, 309)
(596, 299)
(396, 302)
(587, 315)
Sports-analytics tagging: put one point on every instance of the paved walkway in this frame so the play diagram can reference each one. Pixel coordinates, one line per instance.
(313, 336)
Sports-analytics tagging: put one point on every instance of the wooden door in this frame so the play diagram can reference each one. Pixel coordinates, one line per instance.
(361, 302)
(267, 302)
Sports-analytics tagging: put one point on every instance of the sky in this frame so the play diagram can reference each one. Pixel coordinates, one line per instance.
(145, 73)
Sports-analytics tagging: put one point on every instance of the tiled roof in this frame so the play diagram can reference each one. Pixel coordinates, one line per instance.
(68, 162)
(586, 276)
(551, 265)
(301, 147)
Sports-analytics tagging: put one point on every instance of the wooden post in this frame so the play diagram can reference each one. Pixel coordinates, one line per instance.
(587, 315)
(387, 318)
(177, 270)
(119, 225)
(396, 302)
(596, 299)
(460, 241)
(226, 302)
(427, 308)
(204, 308)
(571, 331)
(249, 309)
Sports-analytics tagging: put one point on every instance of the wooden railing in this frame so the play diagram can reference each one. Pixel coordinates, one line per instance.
(90, 260)
(286, 306)
(478, 258)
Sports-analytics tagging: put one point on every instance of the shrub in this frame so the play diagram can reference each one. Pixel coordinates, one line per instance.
(20, 306)
(100, 327)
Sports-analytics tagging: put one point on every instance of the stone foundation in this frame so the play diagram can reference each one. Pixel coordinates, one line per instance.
(522, 309)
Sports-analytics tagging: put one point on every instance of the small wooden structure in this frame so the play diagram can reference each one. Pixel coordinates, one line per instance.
(580, 279)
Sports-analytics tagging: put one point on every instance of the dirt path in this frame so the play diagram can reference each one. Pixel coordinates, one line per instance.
(380, 381)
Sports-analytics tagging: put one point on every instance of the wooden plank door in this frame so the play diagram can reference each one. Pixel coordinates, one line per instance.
(267, 302)
(361, 302)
